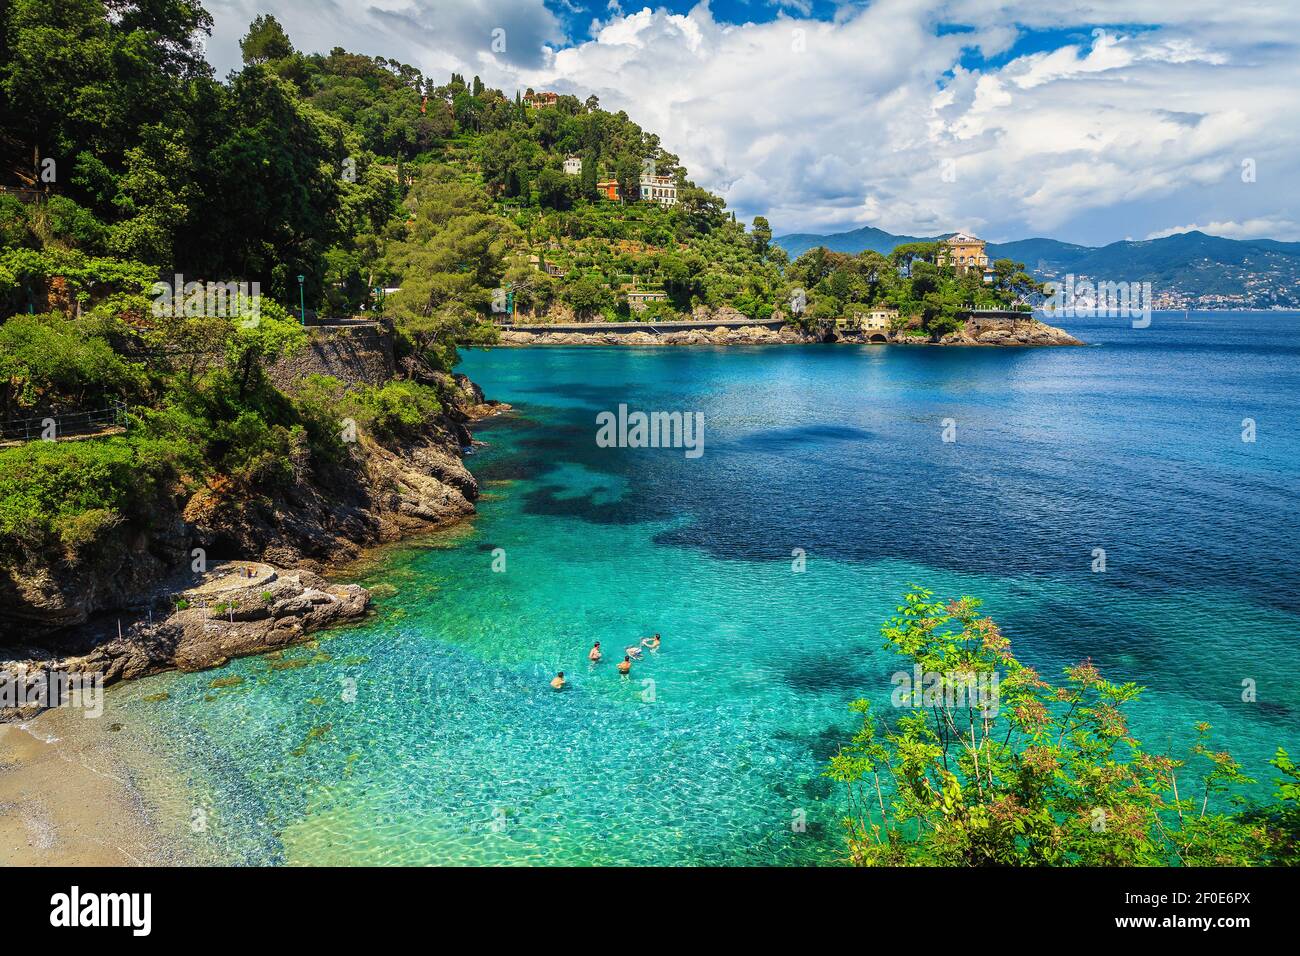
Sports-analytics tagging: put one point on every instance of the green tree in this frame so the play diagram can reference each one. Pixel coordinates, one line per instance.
(271, 187)
(49, 363)
(86, 75)
(553, 189)
(907, 253)
(253, 343)
(265, 41)
(449, 264)
(587, 297)
(154, 195)
(761, 235)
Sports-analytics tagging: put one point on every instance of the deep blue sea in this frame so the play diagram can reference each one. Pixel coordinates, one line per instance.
(430, 734)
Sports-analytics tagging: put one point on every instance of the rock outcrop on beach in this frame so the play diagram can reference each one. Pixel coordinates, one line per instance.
(233, 609)
(984, 332)
(1021, 333)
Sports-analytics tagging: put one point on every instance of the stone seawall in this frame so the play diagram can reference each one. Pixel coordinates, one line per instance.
(689, 333)
(652, 328)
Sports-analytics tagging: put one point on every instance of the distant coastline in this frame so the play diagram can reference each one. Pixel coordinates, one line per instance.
(1187, 267)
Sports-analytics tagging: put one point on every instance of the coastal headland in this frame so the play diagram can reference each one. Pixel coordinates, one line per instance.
(218, 572)
(976, 332)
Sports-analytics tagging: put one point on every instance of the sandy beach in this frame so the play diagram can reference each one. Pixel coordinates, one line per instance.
(69, 798)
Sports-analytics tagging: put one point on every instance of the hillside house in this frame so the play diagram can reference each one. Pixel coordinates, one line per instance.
(573, 166)
(875, 320)
(659, 189)
(537, 101)
(637, 298)
(879, 318)
(963, 252)
(550, 268)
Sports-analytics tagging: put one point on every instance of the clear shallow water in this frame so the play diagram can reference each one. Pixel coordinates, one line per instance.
(454, 749)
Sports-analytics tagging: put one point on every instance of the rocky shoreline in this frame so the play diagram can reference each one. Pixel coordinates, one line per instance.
(234, 609)
(1018, 333)
(221, 574)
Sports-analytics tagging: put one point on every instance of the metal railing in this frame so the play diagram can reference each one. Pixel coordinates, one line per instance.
(25, 194)
(61, 425)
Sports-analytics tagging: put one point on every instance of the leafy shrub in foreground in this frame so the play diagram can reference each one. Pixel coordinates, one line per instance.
(1048, 775)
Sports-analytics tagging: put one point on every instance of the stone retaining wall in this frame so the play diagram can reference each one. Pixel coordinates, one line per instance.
(357, 354)
(599, 328)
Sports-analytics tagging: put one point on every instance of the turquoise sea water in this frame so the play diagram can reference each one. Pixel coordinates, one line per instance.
(429, 734)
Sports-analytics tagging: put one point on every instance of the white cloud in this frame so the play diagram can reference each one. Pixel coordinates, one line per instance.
(1267, 227)
(436, 35)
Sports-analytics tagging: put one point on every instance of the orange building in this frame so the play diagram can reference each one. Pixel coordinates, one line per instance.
(962, 252)
(537, 101)
(608, 189)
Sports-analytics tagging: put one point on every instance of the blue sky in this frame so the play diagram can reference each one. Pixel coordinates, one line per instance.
(1084, 120)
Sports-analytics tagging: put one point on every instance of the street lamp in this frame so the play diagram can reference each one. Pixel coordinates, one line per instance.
(302, 302)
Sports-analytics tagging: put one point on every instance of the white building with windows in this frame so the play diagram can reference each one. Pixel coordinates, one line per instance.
(660, 189)
(573, 166)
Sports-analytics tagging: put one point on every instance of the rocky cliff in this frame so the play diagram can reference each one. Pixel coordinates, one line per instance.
(121, 610)
(353, 351)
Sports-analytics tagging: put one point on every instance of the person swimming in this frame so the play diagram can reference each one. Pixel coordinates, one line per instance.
(594, 655)
(558, 681)
(651, 642)
(625, 666)
(633, 652)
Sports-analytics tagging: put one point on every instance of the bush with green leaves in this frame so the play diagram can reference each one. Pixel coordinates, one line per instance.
(1042, 774)
(52, 363)
(655, 311)
(69, 494)
(396, 409)
(391, 412)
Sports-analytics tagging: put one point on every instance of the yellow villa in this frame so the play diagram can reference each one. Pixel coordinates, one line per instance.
(963, 251)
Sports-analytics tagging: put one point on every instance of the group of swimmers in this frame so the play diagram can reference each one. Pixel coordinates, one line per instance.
(630, 654)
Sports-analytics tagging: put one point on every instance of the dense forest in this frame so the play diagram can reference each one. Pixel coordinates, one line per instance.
(130, 174)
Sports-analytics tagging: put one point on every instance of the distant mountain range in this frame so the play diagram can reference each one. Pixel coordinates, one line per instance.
(1186, 270)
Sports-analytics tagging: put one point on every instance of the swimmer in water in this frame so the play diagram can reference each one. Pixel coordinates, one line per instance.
(558, 681)
(594, 656)
(633, 652)
(625, 666)
(651, 642)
